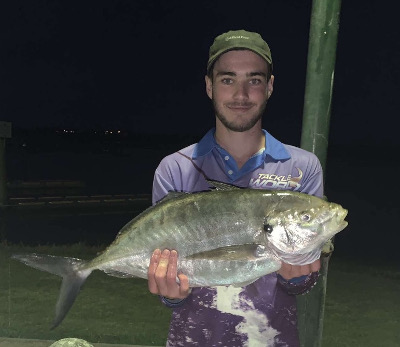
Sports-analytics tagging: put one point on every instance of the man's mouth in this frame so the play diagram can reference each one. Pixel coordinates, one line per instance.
(240, 107)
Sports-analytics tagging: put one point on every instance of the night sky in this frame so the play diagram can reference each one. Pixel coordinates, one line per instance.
(140, 65)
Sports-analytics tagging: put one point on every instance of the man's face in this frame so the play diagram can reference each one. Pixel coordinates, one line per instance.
(239, 89)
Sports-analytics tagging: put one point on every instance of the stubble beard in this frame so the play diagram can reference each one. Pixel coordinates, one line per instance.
(235, 125)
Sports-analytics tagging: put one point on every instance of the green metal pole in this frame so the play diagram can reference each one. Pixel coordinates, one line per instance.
(3, 179)
(315, 132)
(320, 74)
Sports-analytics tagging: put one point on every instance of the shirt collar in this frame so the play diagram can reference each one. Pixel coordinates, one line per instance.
(273, 147)
(205, 145)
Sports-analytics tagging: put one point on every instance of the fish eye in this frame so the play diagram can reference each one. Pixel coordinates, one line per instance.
(268, 228)
(305, 217)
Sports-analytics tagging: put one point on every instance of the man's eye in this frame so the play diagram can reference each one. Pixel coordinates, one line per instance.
(227, 81)
(255, 81)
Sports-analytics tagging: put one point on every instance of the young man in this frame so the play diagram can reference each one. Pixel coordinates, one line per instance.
(238, 151)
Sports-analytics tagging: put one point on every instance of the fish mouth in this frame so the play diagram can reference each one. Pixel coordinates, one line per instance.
(343, 225)
(341, 214)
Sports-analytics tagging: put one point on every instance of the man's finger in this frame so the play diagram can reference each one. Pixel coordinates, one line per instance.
(152, 270)
(316, 265)
(154, 262)
(285, 271)
(161, 272)
(305, 270)
(172, 272)
(184, 285)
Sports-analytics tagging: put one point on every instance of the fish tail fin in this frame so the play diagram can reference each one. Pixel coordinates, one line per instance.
(69, 269)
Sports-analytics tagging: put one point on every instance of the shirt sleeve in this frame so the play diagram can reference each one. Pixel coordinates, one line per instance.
(299, 285)
(313, 183)
(172, 303)
(163, 181)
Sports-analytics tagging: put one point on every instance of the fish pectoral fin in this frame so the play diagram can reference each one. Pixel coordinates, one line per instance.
(232, 253)
(221, 185)
(243, 284)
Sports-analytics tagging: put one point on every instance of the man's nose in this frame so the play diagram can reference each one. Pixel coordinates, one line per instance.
(241, 91)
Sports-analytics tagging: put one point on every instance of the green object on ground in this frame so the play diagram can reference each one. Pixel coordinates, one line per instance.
(71, 342)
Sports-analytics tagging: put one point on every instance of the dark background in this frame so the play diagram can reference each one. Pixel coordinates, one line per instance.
(139, 66)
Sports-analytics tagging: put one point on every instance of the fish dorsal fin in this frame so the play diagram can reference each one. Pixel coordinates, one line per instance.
(172, 195)
(221, 185)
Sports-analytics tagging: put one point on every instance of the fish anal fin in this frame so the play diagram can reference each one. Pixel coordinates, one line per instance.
(118, 274)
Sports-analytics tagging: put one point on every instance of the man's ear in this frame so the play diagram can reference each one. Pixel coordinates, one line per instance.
(270, 86)
(208, 86)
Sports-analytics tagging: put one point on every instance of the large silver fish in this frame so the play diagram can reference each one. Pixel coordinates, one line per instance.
(226, 236)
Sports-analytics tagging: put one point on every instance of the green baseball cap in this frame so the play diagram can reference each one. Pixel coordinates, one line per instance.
(239, 39)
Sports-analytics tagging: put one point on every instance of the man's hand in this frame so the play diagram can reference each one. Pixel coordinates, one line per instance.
(288, 271)
(162, 275)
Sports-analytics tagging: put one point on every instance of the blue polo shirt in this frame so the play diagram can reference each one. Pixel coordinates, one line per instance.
(277, 166)
(264, 312)
(273, 149)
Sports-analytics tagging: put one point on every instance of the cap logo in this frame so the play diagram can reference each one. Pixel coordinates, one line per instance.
(236, 37)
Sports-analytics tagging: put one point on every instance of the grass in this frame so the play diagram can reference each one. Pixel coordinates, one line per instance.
(108, 309)
(362, 304)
